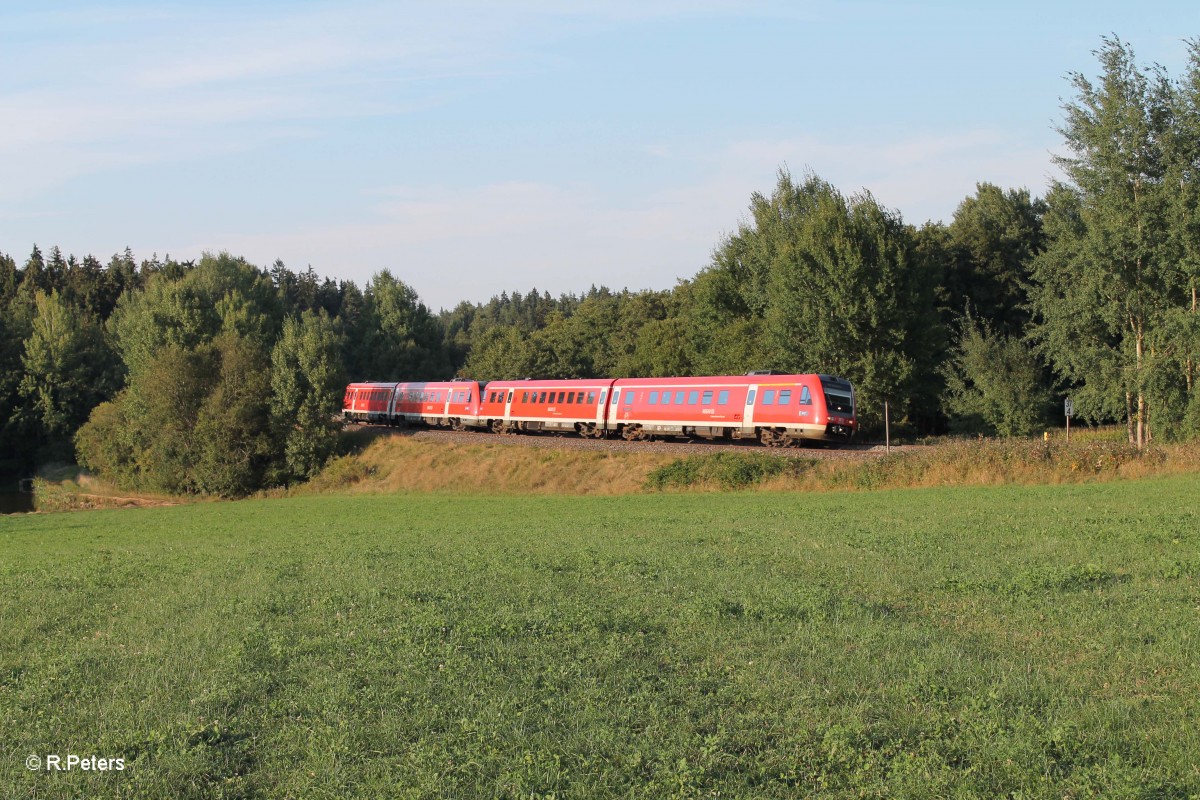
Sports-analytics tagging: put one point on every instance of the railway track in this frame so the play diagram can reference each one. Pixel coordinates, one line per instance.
(681, 447)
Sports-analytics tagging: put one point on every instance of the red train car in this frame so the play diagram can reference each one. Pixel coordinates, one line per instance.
(368, 402)
(537, 405)
(776, 409)
(453, 404)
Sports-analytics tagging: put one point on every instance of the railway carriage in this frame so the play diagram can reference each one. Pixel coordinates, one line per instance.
(368, 402)
(453, 404)
(776, 409)
(549, 405)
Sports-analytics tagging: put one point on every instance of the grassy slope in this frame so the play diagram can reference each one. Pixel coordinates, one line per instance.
(1039, 641)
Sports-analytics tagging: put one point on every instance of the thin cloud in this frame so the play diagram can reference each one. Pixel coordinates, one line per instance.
(562, 238)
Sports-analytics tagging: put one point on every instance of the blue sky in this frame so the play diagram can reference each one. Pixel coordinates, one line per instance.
(472, 148)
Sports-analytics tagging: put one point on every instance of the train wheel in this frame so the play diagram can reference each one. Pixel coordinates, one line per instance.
(631, 433)
(498, 426)
(770, 438)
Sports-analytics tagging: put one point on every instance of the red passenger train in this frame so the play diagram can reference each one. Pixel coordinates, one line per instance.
(775, 409)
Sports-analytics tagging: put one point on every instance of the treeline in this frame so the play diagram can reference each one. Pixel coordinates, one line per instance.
(220, 377)
(210, 377)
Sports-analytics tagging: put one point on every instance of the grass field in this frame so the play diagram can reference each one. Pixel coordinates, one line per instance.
(966, 642)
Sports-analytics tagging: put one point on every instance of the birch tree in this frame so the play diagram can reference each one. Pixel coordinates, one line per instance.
(1106, 279)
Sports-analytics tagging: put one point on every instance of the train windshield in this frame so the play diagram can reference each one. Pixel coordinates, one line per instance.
(839, 402)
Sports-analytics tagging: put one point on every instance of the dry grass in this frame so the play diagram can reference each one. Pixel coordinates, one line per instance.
(402, 464)
(389, 464)
(997, 462)
(72, 489)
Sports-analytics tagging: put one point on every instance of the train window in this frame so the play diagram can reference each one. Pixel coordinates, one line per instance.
(805, 397)
(510, 395)
(542, 397)
(592, 398)
(628, 398)
(666, 398)
(768, 398)
(785, 397)
(524, 397)
(723, 397)
(750, 398)
(653, 398)
(570, 397)
(693, 396)
(707, 398)
(679, 397)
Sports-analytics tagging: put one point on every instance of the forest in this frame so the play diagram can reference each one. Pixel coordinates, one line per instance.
(216, 376)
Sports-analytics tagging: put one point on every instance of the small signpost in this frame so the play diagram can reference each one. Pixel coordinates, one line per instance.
(1069, 411)
(887, 429)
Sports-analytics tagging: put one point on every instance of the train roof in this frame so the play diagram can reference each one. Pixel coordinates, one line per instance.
(720, 380)
(552, 383)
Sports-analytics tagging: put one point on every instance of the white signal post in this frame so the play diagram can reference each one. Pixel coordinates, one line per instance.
(1069, 411)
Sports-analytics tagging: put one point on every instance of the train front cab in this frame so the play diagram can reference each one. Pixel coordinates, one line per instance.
(841, 421)
(792, 409)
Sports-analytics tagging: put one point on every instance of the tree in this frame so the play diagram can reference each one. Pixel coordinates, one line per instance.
(306, 384)
(192, 421)
(67, 370)
(1109, 275)
(233, 431)
(402, 339)
(221, 294)
(823, 283)
(501, 353)
(994, 383)
(1183, 182)
(993, 240)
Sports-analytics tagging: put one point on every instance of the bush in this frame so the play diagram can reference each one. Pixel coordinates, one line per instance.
(726, 470)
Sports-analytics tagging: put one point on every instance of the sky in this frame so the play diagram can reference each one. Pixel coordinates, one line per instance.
(478, 147)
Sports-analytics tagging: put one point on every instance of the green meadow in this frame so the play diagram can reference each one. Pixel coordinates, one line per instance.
(1026, 642)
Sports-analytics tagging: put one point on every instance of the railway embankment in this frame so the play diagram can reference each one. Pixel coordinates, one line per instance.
(430, 460)
(381, 460)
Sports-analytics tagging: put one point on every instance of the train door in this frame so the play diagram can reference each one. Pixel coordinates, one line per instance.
(748, 414)
(508, 401)
(601, 407)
